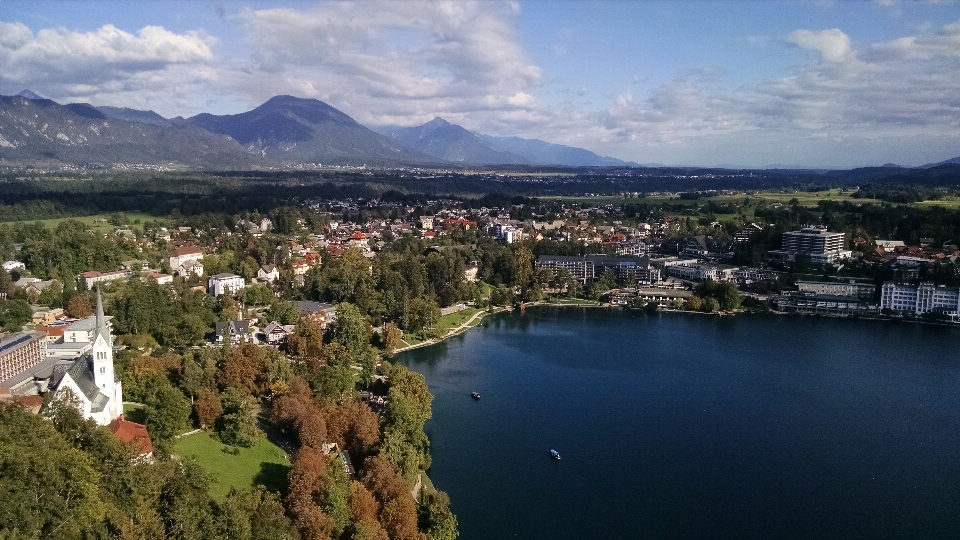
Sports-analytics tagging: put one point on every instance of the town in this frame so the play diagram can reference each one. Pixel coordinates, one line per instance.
(274, 328)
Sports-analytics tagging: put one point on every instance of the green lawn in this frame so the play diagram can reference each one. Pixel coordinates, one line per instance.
(454, 320)
(263, 463)
(134, 413)
(100, 222)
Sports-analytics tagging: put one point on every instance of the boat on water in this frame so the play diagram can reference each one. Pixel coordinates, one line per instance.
(475, 395)
(554, 454)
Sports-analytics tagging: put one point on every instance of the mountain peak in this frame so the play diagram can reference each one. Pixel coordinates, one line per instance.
(29, 94)
(437, 122)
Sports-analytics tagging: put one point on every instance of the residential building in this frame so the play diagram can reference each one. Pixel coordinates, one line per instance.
(919, 299)
(186, 261)
(236, 331)
(319, 312)
(10, 266)
(225, 283)
(20, 352)
(93, 277)
(830, 288)
(823, 247)
(268, 273)
(746, 233)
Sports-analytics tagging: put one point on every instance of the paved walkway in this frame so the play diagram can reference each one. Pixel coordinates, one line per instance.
(454, 331)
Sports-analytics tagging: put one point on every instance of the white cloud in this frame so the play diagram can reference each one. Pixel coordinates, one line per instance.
(833, 45)
(89, 65)
(393, 61)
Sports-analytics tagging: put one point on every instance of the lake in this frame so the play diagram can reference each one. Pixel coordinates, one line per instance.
(695, 426)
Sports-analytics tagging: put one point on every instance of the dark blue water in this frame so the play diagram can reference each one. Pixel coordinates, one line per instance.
(685, 426)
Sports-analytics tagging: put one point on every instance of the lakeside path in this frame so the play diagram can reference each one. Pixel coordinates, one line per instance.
(466, 325)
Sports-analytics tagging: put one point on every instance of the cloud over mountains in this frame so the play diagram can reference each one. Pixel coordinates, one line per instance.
(403, 63)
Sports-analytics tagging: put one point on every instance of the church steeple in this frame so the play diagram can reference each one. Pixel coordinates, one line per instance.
(101, 320)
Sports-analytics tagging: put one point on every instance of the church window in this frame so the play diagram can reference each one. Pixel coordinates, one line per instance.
(103, 370)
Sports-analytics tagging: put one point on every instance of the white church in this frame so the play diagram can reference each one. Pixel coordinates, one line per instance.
(91, 378)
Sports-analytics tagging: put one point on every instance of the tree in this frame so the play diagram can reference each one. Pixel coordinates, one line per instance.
(307, 339)
(207, 407)
(50, 489)
(436, 519)
(14, 314)
(52, 295)
(422, 314)
(351, 329)
(391, 339)
(238, 423)
(243, 368)
(168, 414)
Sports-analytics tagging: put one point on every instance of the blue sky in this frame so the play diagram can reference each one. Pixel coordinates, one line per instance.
(749, 83)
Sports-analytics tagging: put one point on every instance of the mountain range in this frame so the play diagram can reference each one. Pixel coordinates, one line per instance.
(285, 130)
(450, 142)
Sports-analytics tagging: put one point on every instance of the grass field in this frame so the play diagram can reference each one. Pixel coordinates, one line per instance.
(262, 464)
(100, 222)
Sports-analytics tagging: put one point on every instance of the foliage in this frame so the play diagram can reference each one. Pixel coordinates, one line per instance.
(207, 407)
(51, 488)
(14, 314)
(237, 426)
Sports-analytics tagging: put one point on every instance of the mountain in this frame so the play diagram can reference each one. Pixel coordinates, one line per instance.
(133, 115)
(539, 152)
(451, 142)
(290, 129)
(955, 160)
(41, 130)
(29, 94)
(441, 139)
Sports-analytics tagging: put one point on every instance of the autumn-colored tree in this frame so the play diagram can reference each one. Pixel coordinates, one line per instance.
(286, 410)
(242, 368)
(307, 480)
(391, 339)
(398, 510)
(363, 505)
(79, 306)
(207, 407)
(307, 339)
(311, 428)
(354, 426)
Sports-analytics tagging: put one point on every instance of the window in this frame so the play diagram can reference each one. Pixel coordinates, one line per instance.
(103, 370)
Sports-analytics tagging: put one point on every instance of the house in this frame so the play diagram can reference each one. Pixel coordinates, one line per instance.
(43, 314)
(93, 277)
(225, 283)
(268, 273)
(426, 222)
(236, 331)
(162, 279)
(133, 435)
(10, 266)
(185, 261)
(277, 334)
(320, 312)
(357, 239)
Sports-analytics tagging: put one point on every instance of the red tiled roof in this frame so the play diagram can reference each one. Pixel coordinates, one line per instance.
(132, 432)
(187, 250)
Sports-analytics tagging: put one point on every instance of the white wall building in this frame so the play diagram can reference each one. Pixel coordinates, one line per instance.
(920, 299)
(225, 283)
(91, 378)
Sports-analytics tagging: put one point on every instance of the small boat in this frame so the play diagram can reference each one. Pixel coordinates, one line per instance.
(475, 395)
(554, 454)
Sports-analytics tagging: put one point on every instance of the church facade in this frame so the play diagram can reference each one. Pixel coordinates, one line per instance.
(91, 378)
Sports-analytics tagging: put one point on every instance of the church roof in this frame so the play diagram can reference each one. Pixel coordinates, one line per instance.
(83, 377)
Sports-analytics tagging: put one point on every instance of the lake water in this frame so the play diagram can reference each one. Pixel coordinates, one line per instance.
(686, 426)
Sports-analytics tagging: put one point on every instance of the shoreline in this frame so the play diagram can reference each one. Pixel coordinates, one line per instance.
(474, 321)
